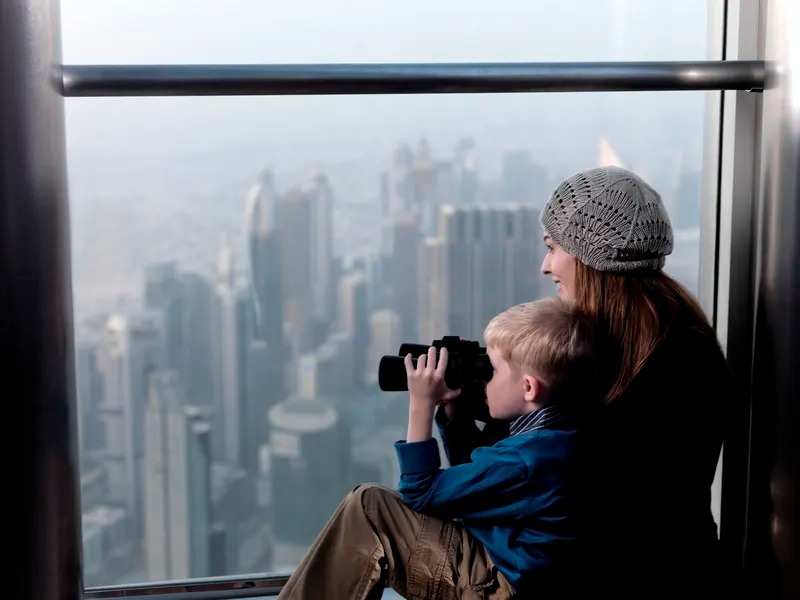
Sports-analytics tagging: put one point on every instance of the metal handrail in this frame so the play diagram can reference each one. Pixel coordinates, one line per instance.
(218, 588)
(421, 78)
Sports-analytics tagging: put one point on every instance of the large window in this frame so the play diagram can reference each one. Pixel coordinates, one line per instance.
(240, 265)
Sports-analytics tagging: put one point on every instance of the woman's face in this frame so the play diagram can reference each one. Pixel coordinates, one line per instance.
(560, 266)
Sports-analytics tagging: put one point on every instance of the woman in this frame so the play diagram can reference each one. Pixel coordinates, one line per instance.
(651, 451)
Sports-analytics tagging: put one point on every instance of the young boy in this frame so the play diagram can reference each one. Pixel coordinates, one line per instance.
(495, 525)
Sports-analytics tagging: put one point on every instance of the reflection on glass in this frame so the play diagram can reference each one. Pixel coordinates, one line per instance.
(240, 266)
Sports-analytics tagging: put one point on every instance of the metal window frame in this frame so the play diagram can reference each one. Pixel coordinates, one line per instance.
(37, 264)
(734, 231)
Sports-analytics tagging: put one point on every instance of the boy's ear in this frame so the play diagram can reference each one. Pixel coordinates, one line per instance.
(532, 387)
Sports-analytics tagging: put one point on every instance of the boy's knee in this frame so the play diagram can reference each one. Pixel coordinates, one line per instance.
(369, 494)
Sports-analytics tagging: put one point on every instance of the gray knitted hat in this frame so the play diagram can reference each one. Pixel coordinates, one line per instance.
(610, 220)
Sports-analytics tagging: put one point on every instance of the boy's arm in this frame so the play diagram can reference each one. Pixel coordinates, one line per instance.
(461, 436)
(491, 486)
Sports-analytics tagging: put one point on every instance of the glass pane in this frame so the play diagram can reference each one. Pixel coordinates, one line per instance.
(297, 31)
(240, 265)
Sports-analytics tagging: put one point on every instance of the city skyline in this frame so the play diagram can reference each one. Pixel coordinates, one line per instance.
(215, 402)
(240, 264)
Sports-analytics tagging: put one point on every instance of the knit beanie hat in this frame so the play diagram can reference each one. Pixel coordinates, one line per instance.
(610, 220)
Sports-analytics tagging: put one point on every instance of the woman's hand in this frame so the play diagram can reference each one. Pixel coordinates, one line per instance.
(426, 384)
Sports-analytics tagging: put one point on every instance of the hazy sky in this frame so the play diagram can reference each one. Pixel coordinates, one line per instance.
(273, 31)
(157, 178)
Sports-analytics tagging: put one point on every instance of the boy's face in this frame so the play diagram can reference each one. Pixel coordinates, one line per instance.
(506, 391)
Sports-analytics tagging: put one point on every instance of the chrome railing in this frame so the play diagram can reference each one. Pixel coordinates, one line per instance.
(232, 80)
(218, 588)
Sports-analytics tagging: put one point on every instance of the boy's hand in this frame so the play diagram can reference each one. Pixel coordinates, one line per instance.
(426, 384)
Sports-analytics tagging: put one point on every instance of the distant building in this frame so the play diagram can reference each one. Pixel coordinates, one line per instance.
(232, 504)
(310, 469)
(231, 333)
(384, 327)
(131, 350)
(266, 278)
(523, 180)
(406, 273)
(353, 322)
(89, 386)
(607, 155)
(327, 371)
(482, 261)
(184, 300)
(108, 544)
(177, 483)
(306, 250)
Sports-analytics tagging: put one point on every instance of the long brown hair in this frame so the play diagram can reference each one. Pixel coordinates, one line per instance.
(638, 309)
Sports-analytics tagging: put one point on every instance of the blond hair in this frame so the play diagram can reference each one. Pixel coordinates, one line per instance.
(550, 338)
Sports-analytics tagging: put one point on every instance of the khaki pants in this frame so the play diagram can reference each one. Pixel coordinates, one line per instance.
(374, 540)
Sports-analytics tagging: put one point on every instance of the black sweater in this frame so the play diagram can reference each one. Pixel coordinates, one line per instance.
(649, 461)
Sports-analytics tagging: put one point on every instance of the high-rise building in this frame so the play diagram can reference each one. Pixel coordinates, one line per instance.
(306, 230)
(607, 155)
(196, 365)
(231, 336)
(232, 503)
(523, 180)
(162, 292)
(184, 300)
(406, 275)
(327, 371)
(466, 173)
(310, 468)
(89, 387)
(483, 261)
(131, 351)
(352, 320)
(177, 483)
(108, 530)
(264, 250)
(264, 369)
(384, 334)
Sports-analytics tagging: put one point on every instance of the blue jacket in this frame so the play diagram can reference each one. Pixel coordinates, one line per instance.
(515, 497)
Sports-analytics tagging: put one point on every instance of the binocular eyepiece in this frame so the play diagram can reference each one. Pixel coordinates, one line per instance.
(467, 364)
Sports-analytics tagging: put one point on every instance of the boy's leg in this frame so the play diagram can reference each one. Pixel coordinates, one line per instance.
(373, 540)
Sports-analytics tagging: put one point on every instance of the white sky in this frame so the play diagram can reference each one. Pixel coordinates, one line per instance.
(142, 31)
(307, 128)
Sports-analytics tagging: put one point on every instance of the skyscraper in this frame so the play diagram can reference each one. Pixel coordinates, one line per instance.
(406, 276)
(267, 352)
(131, 351)
(184, 300)
(384, 333)
(231, 335)
(483, 261)
(177, 483)
(162, 292)
(89, 385)
(310, 473)
(353, 321)
(264, 253)
(327, 370)
(264, 370)
(196, 365)
(306, 230)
